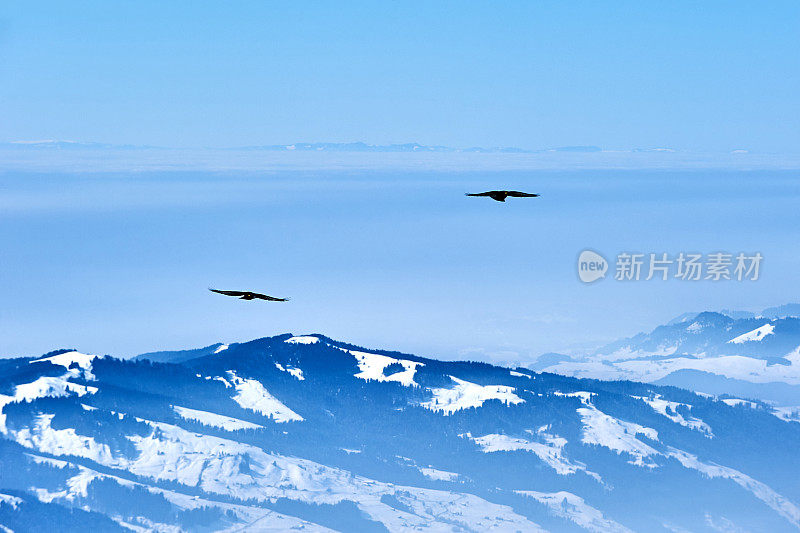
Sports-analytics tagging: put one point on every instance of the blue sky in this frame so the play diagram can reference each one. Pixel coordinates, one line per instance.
(702, 76)
(112, 252)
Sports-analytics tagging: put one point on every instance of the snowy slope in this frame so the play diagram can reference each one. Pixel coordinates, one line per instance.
(232, 440)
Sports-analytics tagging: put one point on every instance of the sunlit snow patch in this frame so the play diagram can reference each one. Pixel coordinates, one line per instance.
(466, 395)
(733, 402)
(586, 397)
(76, 486)
(437, 475)
(306, 339)
(695, 327)
(294, 371)
(51, 386)
(221, 348)
(670, 410)
(612, 433)
(789, 413)
(617, 435)
(42, 437)
(573, 507)
(8, 499)
(549, 448)
(372, 366)
(755, 335)
(252, 395)
(213, 419)
(44, 386)
(68, 359)
(221, 380)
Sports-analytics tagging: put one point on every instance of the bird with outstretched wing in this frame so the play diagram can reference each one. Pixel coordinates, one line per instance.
(501, 196)
(247, 295)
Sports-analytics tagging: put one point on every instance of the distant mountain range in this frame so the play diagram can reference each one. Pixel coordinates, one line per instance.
(753, 355)
(308, 147)
(308, 433)
(364, 147)
(51, 144)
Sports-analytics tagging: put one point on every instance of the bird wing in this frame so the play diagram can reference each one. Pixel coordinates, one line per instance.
(480, 193)
(517, 194)
(228, 293)
(269, 298)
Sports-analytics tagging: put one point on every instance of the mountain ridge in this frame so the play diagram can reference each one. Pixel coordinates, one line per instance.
(307, 432)
(710, 349)
(357, 146)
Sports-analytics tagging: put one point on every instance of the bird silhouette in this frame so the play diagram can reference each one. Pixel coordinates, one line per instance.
(247, 295)
(501, 196)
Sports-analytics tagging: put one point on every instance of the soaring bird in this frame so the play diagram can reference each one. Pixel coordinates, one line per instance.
(247, 295)
(501, 196)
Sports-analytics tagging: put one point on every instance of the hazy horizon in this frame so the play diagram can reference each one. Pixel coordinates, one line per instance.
(120, 262)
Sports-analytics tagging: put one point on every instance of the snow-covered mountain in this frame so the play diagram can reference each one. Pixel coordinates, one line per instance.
(754, 355)
(307, 433)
